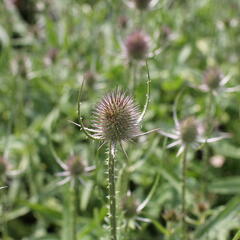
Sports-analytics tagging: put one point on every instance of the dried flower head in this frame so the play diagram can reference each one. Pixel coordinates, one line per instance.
(116, 117)
(212, 78)
(189, 130)
(137, 45)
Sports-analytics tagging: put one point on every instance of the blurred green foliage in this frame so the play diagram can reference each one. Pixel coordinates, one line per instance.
(42, 65)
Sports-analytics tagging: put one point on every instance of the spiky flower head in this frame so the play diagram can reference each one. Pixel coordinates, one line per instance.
(212, 78)
(189, 130)
(137, 45)
(116, 117)
(142, 4)
(75, 166)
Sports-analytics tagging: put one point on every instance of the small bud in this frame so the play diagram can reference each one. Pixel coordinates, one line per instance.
(202, 207)
(123, 22)
(142, 4)
(212, 78)
(189, 130)
(129, 206)
(170, 215)
(116, 117)
(90, 78)
(75, 166)
(137, 45)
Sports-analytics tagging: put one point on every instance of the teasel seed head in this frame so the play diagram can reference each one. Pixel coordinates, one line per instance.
(142, 4)
(75, 166)
(137, 45)
(116, 117)
(189, 130)
(212, 78)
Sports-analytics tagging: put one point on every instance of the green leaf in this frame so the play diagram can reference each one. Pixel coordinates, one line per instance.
(226, 215)
(230, 185)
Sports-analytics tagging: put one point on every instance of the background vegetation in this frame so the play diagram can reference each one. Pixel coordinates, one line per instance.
(46, 51)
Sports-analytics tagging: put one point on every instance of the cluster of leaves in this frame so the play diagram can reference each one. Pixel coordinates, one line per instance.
(47, 48)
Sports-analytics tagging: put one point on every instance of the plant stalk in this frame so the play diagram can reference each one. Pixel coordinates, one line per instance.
(112, 192)
(183, 218)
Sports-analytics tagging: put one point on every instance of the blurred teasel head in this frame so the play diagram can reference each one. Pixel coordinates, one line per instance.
(137, 45)
(142, 4)
(116, 117)
(212, 78)
(123, 22)
(75, 166)
(90, 78)
(189, 130)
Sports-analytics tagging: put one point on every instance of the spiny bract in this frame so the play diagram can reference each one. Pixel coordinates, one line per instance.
(116, 117)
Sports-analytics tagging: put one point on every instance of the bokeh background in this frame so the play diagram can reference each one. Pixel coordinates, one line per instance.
(48, 47)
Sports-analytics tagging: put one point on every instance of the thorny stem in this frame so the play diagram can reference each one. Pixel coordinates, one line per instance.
(147, 95)
(112, 192)
(183, 218)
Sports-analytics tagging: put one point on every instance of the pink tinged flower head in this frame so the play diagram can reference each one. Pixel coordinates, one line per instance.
(75, 166)
(116, 117)
(142, 4)
(189, 130)
(137, 45)
(212, 78)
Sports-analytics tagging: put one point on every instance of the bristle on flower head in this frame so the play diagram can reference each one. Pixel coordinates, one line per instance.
(212, 78)
(116, 117)
(137, 45)
(142, 4)
(189, 130)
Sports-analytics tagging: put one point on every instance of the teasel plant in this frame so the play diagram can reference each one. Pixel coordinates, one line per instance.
(136, 46)
(117, 119)
(213, 84)
(187, 134)
(73, 172)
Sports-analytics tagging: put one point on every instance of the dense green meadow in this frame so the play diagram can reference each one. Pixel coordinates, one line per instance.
(57, 182)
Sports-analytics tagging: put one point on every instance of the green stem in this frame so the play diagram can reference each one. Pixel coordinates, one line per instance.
(184, 167)
(112, 192)
(73, 210)
(208, 127)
